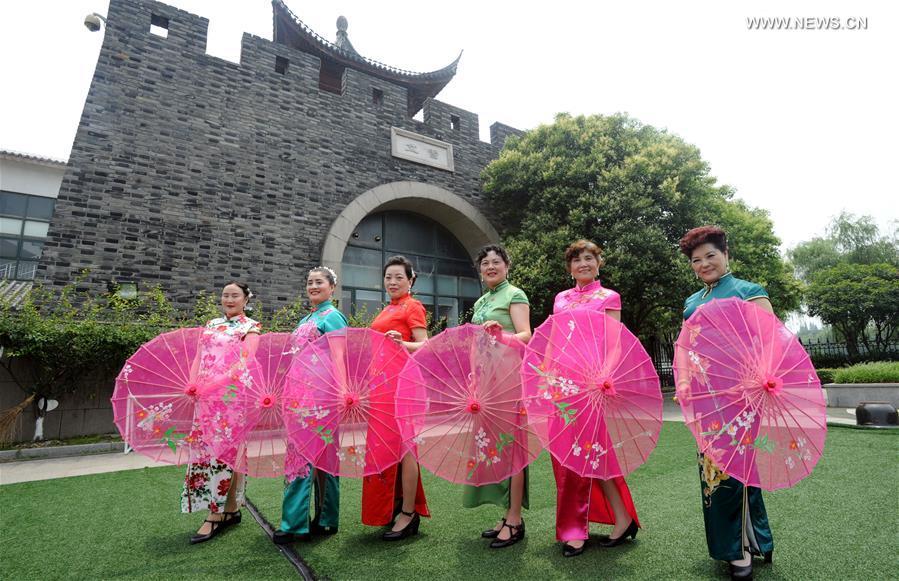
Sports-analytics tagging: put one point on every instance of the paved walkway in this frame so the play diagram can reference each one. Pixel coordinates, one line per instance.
(30, 470)
(671, 413)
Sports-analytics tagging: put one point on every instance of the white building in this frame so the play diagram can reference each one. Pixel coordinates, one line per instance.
(29, 186)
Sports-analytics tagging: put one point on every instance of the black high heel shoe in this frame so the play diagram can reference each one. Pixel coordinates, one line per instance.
(569, 551)
(217, 526)
(516, 533)
(317, 529)
(738, 573)
(630, 532)
(232, 518)
(767, 556)
(407, 531)
(493, 533)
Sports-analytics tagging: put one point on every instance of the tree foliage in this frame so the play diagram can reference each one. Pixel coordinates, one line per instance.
(848, 239)
(634, 190)
(850, 297)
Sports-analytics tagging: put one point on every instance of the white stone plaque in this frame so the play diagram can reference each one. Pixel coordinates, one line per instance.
(421, 149)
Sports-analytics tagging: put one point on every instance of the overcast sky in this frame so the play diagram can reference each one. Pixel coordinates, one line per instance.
(803, 123)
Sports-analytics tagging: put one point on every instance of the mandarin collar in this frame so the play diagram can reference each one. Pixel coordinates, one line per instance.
(498, 287)
(587, 287)
(709, 287)
(234, 318)
(403, 298)
(322, 305)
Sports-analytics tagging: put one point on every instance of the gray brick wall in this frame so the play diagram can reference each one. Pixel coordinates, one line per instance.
(188, 170)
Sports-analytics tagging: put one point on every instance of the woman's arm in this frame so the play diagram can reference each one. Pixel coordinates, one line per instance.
(682, 363)
(521, 319)
(250, 343)
(419, 336)
(763, 303)
(616, 314)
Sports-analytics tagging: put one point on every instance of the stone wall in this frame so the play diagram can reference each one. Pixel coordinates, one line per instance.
(188, 170)
(87, 411)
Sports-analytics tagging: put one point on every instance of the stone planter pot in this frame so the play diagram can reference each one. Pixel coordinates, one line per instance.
(849, 395)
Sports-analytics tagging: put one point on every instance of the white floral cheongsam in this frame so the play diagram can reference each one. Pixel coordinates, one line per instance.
(207, 481)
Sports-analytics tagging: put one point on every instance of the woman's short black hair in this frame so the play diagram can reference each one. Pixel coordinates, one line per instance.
(242, 286)
(484, 251)
(400, 260)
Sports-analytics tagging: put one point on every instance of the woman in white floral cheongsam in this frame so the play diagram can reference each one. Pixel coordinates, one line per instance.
(209, 483)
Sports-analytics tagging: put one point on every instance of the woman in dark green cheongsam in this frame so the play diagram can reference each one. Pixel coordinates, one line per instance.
(736, 524)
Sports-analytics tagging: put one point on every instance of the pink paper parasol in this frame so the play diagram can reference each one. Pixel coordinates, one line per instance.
(156, 392)
(340, 402)
(592, 393)
(754, 404)
(459, 406)
(243, 422)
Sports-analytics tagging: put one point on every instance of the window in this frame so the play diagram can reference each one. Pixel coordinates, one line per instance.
(447, 283)
(331, 77)
(455, 123)
(377, 97)
(281, 65)
(159, 25)
(24, 222)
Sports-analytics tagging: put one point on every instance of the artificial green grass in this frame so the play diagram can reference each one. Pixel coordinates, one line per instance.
(823, 528)
(122, 525)
(840, 523)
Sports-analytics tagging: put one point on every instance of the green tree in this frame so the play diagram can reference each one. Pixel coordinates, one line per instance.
(755, 255)
(848, 239)
(850, 297)
(882, 298)
(634, 190)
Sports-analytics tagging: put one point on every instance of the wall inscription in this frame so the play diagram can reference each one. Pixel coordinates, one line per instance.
(421, 149)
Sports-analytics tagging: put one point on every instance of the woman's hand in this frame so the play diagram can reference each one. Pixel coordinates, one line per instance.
(395, 336)
(493, 326)
(682, 390)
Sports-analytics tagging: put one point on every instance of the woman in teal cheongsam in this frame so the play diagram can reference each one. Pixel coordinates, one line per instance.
(295, 523)
(736, 524)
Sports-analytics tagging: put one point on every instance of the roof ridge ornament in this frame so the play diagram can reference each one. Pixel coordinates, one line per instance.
(290, 30)
(343, 40)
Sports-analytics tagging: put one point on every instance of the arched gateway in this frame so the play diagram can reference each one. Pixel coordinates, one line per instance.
(437, 229)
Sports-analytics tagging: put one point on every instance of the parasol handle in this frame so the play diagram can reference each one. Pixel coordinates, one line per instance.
(708, 395)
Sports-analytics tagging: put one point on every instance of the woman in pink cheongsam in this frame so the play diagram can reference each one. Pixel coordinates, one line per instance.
(582, 500)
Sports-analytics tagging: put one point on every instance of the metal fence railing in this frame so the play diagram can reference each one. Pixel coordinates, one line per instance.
(836, 353)
(823, 354)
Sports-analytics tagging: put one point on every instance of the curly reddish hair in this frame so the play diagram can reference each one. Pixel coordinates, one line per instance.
(703, 235)
(578, 246)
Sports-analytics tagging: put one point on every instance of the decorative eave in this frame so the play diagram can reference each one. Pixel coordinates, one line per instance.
(35, 159)
(290, 30)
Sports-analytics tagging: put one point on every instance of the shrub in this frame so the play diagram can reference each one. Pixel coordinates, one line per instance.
(826, 374)
(62, 335)
(877, 372)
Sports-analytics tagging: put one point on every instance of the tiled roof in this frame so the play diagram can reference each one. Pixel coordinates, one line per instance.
(12, 292)
(9, 154)
(444, 74)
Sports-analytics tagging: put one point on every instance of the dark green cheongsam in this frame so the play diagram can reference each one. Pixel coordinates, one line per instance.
(725, 499)
(297, 495)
